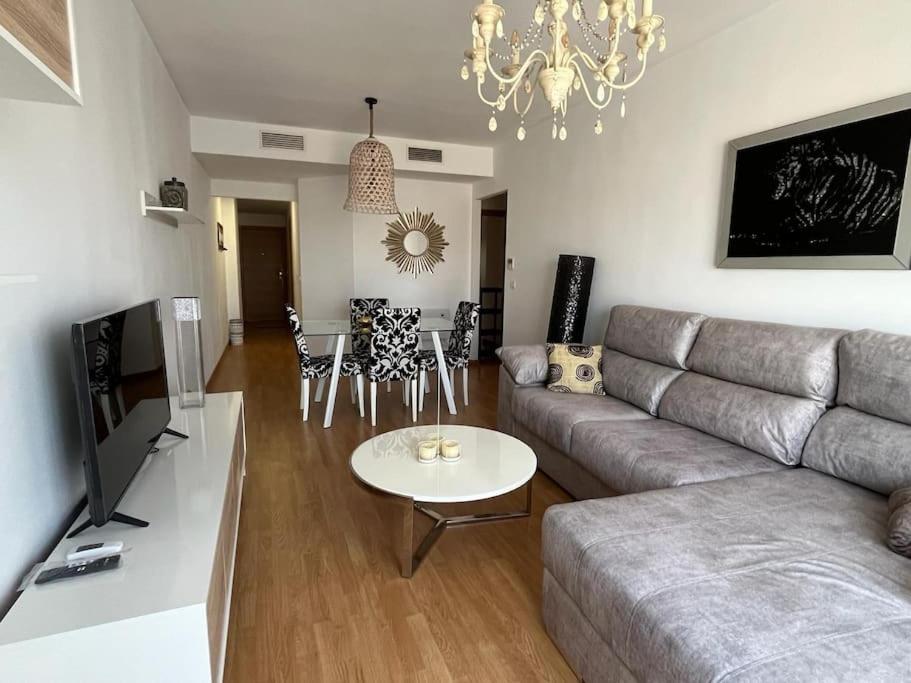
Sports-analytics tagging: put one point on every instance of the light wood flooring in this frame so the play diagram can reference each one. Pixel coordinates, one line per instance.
(317, 590)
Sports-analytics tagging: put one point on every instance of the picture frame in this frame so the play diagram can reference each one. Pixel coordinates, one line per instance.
(822, 193)
(220, 231)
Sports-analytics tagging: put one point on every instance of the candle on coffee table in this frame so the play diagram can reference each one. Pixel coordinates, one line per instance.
(451, 450)
(427, 451)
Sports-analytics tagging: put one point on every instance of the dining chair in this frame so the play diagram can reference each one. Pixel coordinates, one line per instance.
(364, 308)
(394, 352)
(458, 353)
(320, 367)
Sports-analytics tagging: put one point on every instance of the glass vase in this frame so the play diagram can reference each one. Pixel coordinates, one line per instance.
(191, 386)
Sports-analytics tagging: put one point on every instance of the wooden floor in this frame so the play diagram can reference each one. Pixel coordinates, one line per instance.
(317, 590)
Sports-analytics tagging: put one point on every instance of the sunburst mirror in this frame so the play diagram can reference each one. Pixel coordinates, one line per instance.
(414, 242)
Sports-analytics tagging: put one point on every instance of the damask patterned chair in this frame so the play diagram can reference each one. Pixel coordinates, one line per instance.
(394, 355)
(364, 308)
(320, 367)
(459, 352)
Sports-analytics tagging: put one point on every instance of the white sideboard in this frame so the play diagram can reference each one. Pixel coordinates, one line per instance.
(163, 614)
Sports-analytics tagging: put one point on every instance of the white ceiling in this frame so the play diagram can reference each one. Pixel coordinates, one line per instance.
(308, 63)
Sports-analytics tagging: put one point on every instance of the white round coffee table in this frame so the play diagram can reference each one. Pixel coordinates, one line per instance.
(492, 465)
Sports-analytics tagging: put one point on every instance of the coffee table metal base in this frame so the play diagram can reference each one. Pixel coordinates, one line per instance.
(412, 558)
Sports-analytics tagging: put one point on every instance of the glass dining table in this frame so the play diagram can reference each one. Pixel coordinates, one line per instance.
(336, 333)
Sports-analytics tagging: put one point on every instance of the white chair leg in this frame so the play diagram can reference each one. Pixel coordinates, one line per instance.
(360, 394)
(427, 386)
(319, 389)
(452, 380)
(305, 398)
(414, 400)
(465, 384)
(405, 394)
(388, 386)
(353, 393)
(422, 380)
(373, 403)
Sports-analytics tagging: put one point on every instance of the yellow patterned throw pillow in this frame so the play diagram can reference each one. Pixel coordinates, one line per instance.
(574, 369)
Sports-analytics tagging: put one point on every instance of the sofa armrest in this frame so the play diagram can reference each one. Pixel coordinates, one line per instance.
(527, 364)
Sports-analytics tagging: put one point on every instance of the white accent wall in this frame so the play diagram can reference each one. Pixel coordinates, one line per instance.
(644, 197)
(341, 255)
(73, 245)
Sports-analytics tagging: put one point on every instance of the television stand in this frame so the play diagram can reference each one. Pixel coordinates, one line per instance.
(116, 517)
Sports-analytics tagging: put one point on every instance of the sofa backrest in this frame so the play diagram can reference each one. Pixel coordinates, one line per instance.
(645, 350)
(867, 439)
(760, 385)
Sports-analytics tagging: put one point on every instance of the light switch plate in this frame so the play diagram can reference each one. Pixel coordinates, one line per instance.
(510, 263)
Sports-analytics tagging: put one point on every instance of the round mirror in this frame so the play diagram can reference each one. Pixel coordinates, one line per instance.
(415, 242)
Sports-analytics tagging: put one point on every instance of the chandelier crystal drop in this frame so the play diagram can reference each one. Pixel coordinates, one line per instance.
(562, 67)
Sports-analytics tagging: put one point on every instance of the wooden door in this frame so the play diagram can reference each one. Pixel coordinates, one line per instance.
(264, 274)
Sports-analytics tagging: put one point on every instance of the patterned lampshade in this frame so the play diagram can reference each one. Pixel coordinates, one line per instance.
(371, 175)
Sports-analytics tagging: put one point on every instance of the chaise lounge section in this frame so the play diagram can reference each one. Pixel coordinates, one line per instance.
(753, 545)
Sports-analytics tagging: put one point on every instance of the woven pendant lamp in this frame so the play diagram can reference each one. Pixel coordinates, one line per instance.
(371, 176)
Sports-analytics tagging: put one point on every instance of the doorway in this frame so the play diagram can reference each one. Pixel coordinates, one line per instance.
(493, 274)
(264, 235)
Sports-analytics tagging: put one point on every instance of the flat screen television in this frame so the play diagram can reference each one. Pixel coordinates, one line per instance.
(122, 393)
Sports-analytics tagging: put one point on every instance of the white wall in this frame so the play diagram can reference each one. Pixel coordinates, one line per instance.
(644, 198)
(227, 216)
(341, 254)
(242, 139)
(69, 187)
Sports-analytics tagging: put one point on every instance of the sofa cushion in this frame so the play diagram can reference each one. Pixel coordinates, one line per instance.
(772, 424)
(860, 448)
(636, 381)
(876, 374)
(781, 576)
(654, 334)
(642, 455)
(800, 361)
(526, 364)
(574, 369)
(551, 416)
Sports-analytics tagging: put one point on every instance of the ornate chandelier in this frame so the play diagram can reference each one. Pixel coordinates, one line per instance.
(563, 68)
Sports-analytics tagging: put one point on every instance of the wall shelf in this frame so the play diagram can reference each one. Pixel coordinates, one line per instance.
(150, 206)
(23, 74)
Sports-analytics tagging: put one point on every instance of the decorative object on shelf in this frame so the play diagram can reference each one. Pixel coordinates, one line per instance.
(823, 193)
(450, 450)
(173, 193)
(150, 205)
(564, 67)
(371, 175)
(428, 451)
(570, 304)
(191, 386)
(236, 331)
(415, 242)
(220, 232)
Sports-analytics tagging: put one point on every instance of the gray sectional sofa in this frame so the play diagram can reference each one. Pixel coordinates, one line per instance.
(757, 459)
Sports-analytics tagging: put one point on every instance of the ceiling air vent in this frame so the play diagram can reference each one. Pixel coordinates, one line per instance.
(424, 154)
(281, 141)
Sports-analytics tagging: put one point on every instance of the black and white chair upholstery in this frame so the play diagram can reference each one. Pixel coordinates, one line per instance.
(320, 367)
(396, 333)
(459, 352)
(360, 308)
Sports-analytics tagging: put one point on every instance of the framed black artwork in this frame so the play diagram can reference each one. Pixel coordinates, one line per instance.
(831, 192)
